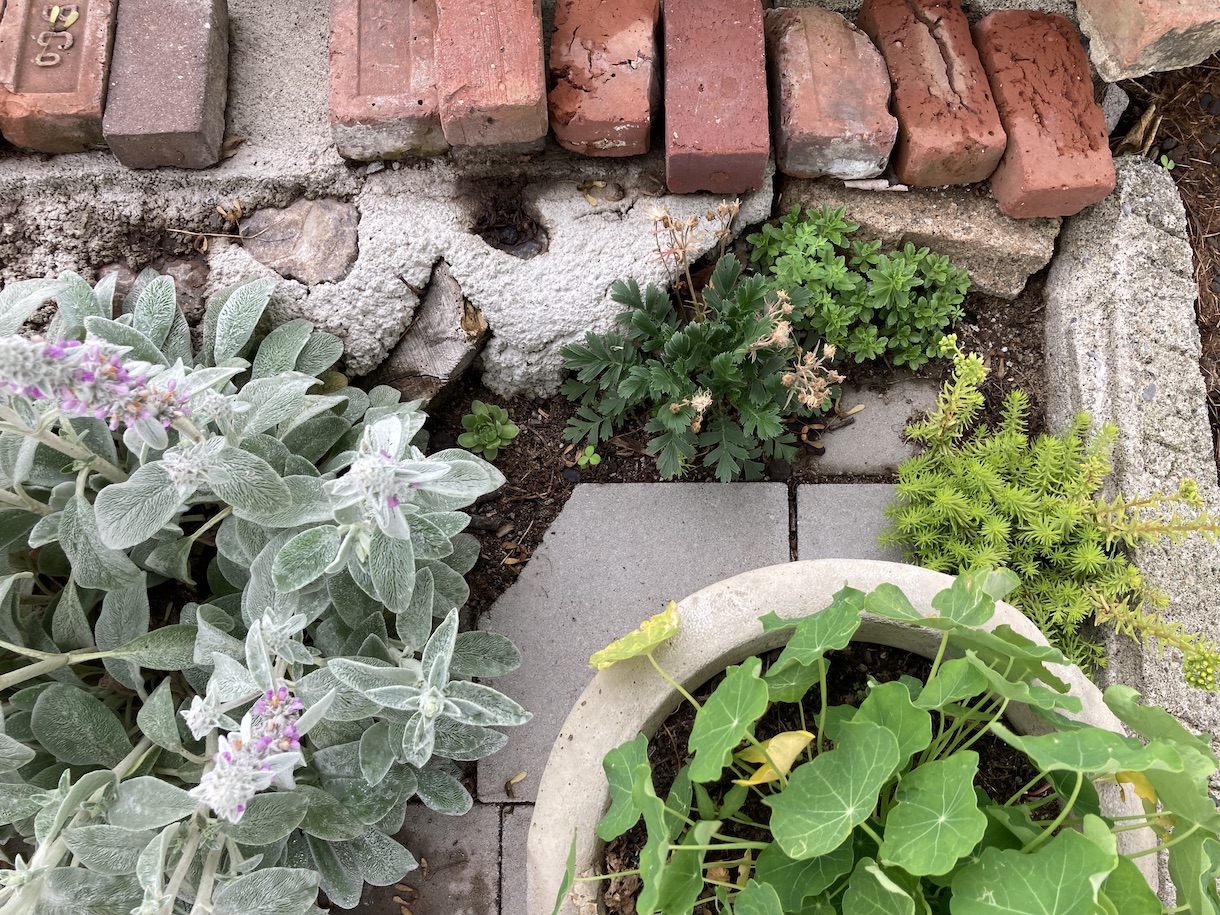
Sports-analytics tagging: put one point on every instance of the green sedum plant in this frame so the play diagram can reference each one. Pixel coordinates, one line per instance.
(868, 304)
(717, 388)
(488, 430)
(229, 613)
(874, 809)
(990, 497)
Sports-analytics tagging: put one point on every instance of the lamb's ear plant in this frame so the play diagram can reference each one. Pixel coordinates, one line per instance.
(979, 497)
(229, 618)
(875, 809)
(868, 304)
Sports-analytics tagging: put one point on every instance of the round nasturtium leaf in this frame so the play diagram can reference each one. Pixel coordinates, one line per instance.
(937, 820)
(834, 793)
(726, 718)
(651, 633)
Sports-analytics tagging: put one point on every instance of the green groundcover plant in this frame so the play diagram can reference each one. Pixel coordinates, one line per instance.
(867, 304)
(229, 612)
(979, 497)
(718, 387)
(874, 809)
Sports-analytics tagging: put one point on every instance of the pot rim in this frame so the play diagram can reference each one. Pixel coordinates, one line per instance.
(720, 627)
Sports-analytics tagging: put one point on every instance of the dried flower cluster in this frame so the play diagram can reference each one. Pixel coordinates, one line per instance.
(811, 378)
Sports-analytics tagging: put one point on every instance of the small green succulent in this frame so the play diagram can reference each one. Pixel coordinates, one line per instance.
(488, 429)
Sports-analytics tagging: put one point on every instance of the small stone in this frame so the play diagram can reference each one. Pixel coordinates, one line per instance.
(168, 83)
(571, 474)
(190, 282)
(53, 76)
(1114, 105)
(313, 241)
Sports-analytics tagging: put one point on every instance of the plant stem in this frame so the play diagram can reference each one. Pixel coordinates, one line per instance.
(24, 502)
(674, 683)
(940, 654)
(1067, 808)
(69, 448)
(184, 865)
(1020, 792)
(203, 896)
(1194, 827)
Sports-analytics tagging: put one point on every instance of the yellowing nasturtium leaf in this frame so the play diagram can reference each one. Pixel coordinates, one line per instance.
(651, 633)
(782, 748)
(1139, 783)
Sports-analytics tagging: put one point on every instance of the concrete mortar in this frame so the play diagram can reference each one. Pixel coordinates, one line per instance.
(1123, 345)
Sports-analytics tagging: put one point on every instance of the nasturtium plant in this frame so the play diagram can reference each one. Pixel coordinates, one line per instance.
(875, 807)
(228, 614)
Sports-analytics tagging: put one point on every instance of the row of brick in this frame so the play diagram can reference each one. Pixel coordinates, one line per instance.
(470, 72)
(148, 78)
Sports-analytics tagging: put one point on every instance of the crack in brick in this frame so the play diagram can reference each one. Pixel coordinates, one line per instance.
(959, 82)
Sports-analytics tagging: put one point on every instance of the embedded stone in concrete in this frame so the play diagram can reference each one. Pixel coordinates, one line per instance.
(1114, 104)
(949, 131)
(830, 94)
(615, 556)
(1122, 343)
(53, 74)
(489, 72)
(604, 68)
(717, 136)
(514, 832)
(843, 521)
(443, 339)
(873, 442)
(313, 241)
(1129, 38)
(463, 872)
(1057, 160)
(719, 627)
(383, 100)
(999, 253)
(168, 83)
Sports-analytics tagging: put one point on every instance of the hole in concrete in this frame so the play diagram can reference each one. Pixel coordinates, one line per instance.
(501, 217)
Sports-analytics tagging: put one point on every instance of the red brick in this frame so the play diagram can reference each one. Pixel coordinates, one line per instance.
(948, 128)
(606, 75)
(716, 133)
(383, 99)
(489, 72)
(55, 107)
(168, 83)
(830, 95)
(1129, 38)
(1058, 159)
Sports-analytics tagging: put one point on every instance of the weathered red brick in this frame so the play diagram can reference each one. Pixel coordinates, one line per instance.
(54, 74)
(717, 136)
(606, 77)
(489, 72)
(168, 83)
(1058, 159)
(948, 128)
(1129, 38)
(830, 94)
(383, 99)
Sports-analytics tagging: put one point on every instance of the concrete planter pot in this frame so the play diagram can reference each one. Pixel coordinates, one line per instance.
(720, 627)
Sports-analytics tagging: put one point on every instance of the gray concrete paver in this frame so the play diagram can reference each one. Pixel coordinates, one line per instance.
(514, 830)
(614, 557)
(873, 442)
(842, 521)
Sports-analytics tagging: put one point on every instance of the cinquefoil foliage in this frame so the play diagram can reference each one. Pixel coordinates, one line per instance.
(874, 808)
(999, 497)
(861, 301)
(233, 752)
(717, 388)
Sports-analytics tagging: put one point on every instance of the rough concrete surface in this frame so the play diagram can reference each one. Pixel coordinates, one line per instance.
(836, 520)
(514, 830)
(614, 557)
(1122, 344)
(999, 253)
(872, 443)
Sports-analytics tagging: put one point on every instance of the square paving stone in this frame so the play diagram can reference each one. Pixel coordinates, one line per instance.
(462, 876)
(614, 557)
(842, 521)
(873, 442)
(514, 835)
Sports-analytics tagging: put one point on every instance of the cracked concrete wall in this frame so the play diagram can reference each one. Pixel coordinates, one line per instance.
(1123, 344)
